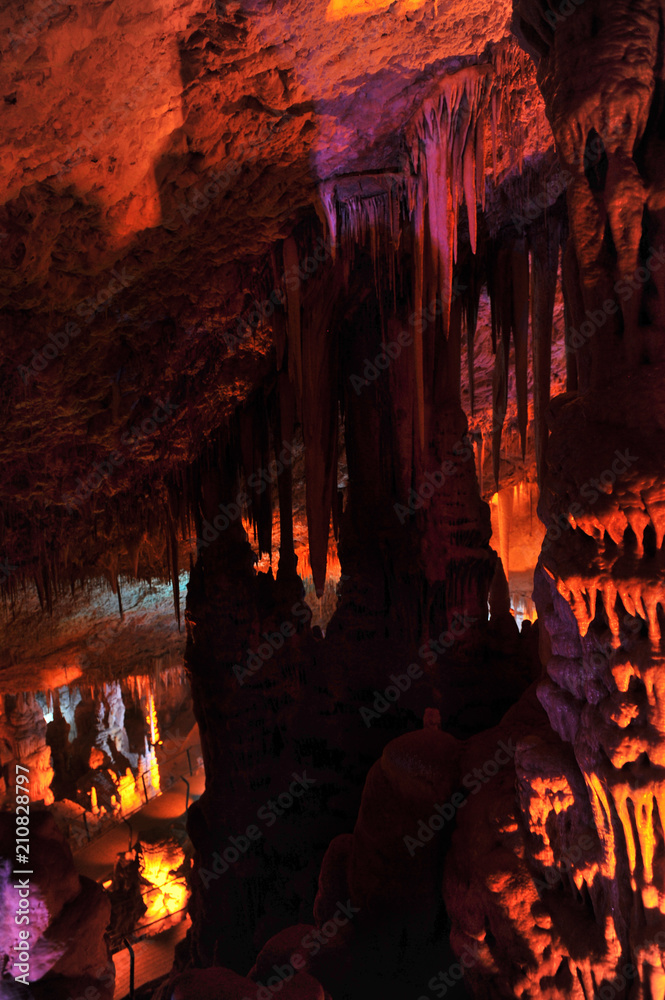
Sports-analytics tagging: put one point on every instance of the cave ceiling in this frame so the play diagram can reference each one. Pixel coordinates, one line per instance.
(153, 156)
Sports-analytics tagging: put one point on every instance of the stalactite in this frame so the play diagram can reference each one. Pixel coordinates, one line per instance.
(577, 360)
(494, 118)
(480, 160)
(454, 354)
(328, 195)
(255, 450)
(444, 153)
(445, 140)
(279, 319)
(501, 296)
(291, 265)
(508, 287)
(544, 275)
(419, 228)
(283, 434)
(320, 417)
(471, 283)
(366, 210)
(520, 326)
(172, 545)
(264, 502)
(470, 193)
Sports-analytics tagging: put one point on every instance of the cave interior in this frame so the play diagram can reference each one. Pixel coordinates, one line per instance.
(332, 503)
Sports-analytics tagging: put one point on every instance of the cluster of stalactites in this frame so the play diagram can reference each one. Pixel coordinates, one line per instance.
(309, 270)
(407, 222)
(366, 210)
(149, 550)
(450, 144)
(447, 152)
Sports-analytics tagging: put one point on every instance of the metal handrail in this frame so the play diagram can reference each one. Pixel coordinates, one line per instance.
(110, 820)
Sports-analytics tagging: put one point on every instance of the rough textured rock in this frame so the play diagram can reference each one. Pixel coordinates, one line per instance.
(567, 902)
(68, 917)
(234, 245)
(201, 140)
(222, 984)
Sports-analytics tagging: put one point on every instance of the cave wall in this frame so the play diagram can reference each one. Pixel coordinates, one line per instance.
(567, 901)
(330, 297)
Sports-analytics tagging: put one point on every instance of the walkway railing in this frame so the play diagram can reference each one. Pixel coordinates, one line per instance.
(83, 833)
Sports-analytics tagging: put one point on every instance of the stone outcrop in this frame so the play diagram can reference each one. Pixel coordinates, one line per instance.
(68, 915)
(260, 282)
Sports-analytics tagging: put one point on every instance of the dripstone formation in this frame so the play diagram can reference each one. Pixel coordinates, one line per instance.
(289, 292)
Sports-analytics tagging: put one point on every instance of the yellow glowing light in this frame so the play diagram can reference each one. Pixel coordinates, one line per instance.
(167, 894)
(333, 568)
(154, 772)
(130, 799)
(266, 562)
(151, 719)
(530, 614)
